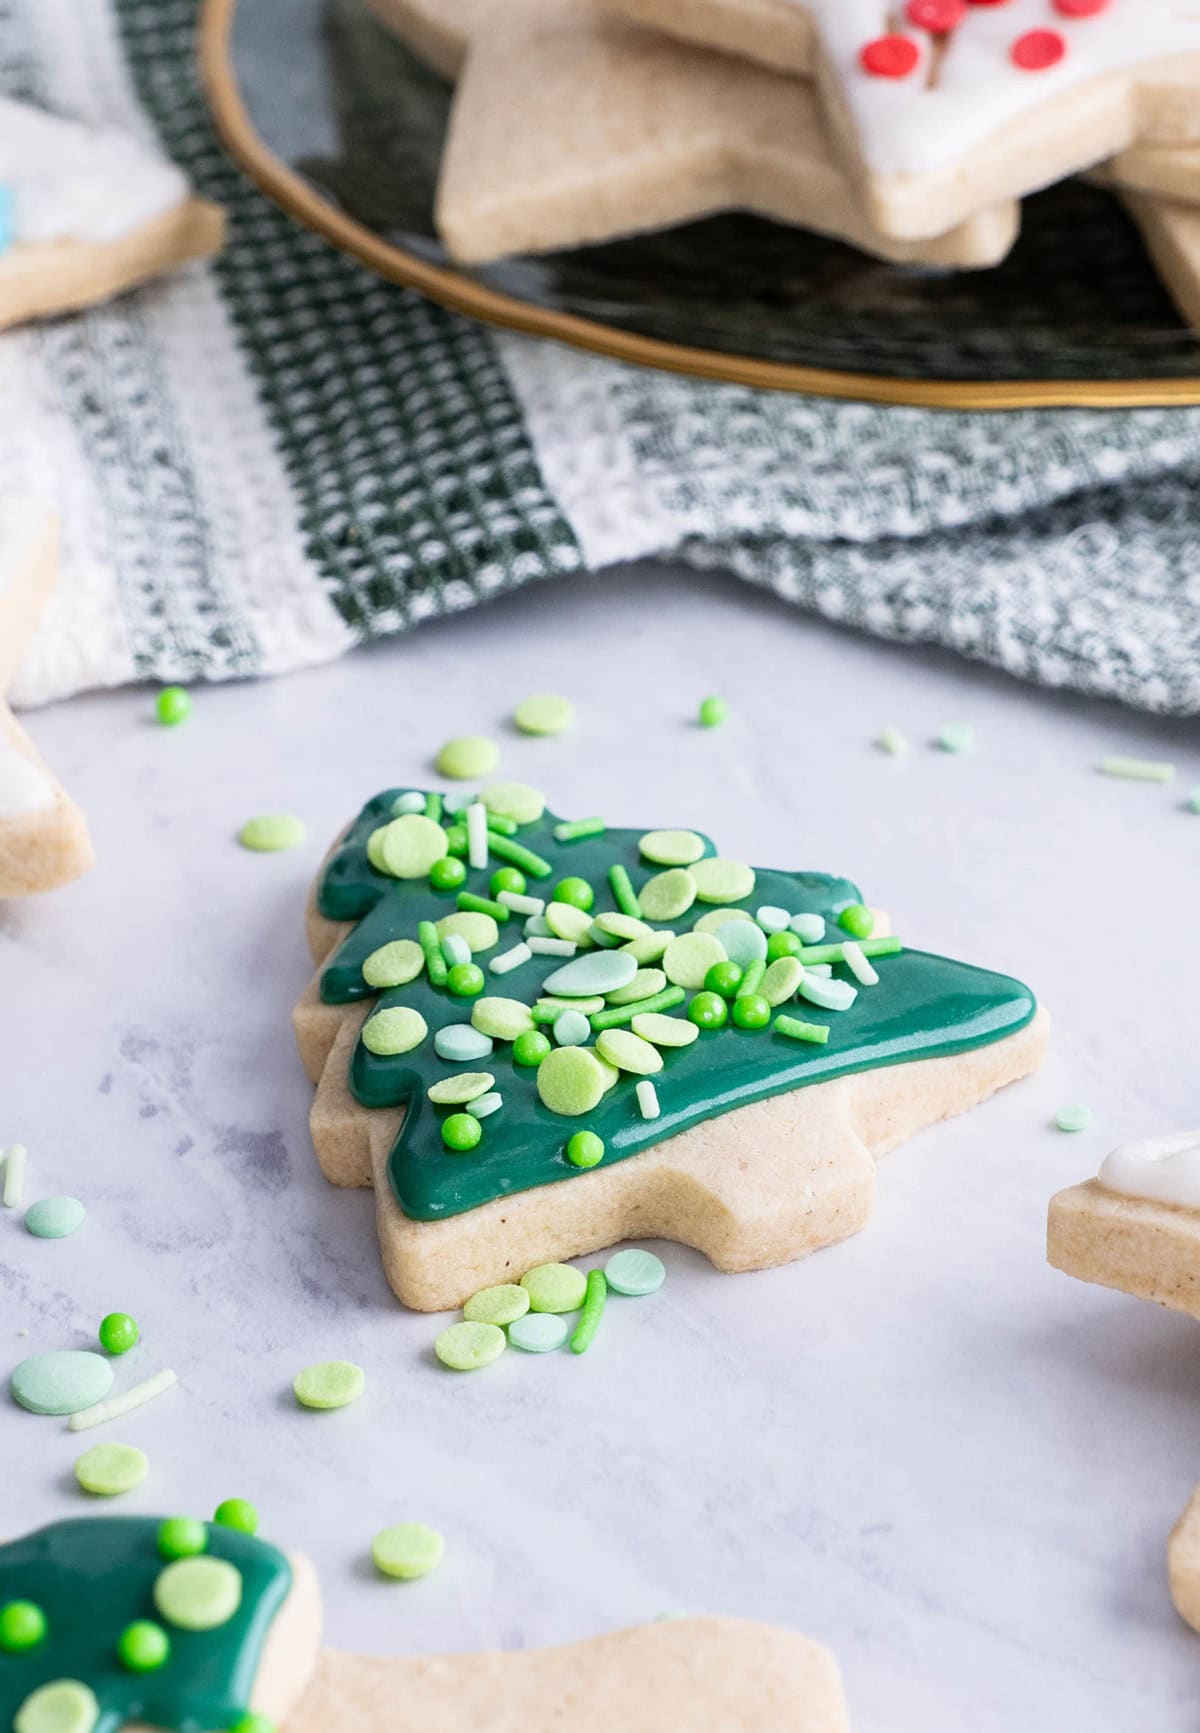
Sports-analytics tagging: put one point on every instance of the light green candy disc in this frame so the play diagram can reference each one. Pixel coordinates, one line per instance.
(109, 1469)
(456, 1091)
(570, 1081)
(567, 922)
(667, 895)
(515, 800)
(198, 1594)
(410, 845)
(468, 1346)
(396, 1030)
(539, 1332)
(272, 832)
(622, 929)
(665, 1031)
(53, 1218)
(479, 930)
(549, 1007)
(407, 1551)
(689, 958)
(634, 1272)
(722, 881)
(468, 757)
(500, 1305)
(394, 964)
(375, 849)
(610, 1073)
(648, 947)
(61, 1382)
(744, 942)
(502, 1019)
(544, 714)
(329, 1384)
(644, 984)
(629, 1052)
(63, 1706)
(554, 1288)
(781, 980)
(717, 918)
(671, 848)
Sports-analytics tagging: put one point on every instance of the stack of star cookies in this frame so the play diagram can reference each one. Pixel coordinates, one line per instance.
(912, 130)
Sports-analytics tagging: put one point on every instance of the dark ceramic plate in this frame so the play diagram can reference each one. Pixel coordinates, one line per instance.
(344, 127)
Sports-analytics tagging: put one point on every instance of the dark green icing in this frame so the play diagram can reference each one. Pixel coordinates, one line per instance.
(923, 1006)
(95, 1575)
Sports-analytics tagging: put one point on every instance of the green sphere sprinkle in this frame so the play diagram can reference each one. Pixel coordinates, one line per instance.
(531, 1047)
(723, 978)
(182, 1537)
(585, 1149)
(857, 920)
(143, 1647)
(173, 706)
(751, 1011)
(456, 839)
(23, 1626)
(713, 711)
(118, 1333)
(237, 1513)
(575, 891)
(253, 1723)
(783, 945)
(708, 1011)
(447, 874)
(507, 879)
(465, 980)
(461, 1132)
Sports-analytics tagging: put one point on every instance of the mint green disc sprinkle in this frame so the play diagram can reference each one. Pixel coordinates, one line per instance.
(722, 881)
(410, 802)
(480, 931)
(572, 1029)
(629, 1052)
(515, 800)
(62, 1382)
(500, 1305)
(539, 1332)
(688, 958)
(671, 848)
(781, 980)
(272, 832)
(468, 757)
(109, 1469)
(459, 1043)
(198, 1594)
(617, 928)
(554, 1288)
(772, 919)
(53, 1218)
(810, 929)
(502, 1019)
(635, 1272)
(644, 985)
(396, 1030)
(394, 964)
(599, 972)
(484, 1106)
(957, 737)
(649, 947)
(744, 941)
(63, 1706)
(570, 1081)
(567, 922)
(667, 895)
(410, 845)
(1073, 1118)
(544, 714)
(467, 1347)
(665, 1031)
(407, 1551)
(457, 1091)
(329, 1384)
(717, 918)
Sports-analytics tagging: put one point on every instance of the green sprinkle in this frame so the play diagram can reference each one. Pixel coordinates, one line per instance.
(671, 848)
(62, 1706)
(623, 892)
(397, 1030)
(635, 1272)
(238, 1514)
(507, 879)
(688, 958)
(744, 942)
(668, 894)
(470, 904)
(708, 1011)
(465, 980)
(519, 856)
(617, 1015)
(648, 947)
(433, 807)
(544, 714)
(585, 1149)
(143, 1646)
(565, 921)
(62, 1382)
(647, 1099)
(173, 706)
(461, 1132)
(664, 1031)
(501, 825)
(502, 1019)
(272, 833)
(570, 1081)
(751, 1011)
(181, 1537)
(645, 984)
(598, 972)
(407, 1551)
(613, 929)
(576, 829)
(713, 711)
(554, 1288)
(457, 841)
(109, 1469)
(457, 1091)
(467, 758)
(772, 919)
(828, 993)
(515, 800)
(751, 981)
(718, 918)
(1194, 800)
(329, 1384)
(575, 891)
(957, 737)
(394, 964)
(1074, 1118)
(885, 947)
(722, 881)
(431, 947)
(572, 1029)
(413, 801)
(781, 981)
(548, 1009)
(781, 945)
(539, 1332)
(460, 1044)
(530, 1048)
(467, 1347)
(800, 1031)
(501, 1305)
(595, 1294)
(448, 873)
(410, 845)
(252, 1722)
(629, 1052)
(857, 920)
(892, 741)
(477, 926)
(54, 1218)
(198, 1594)
(1138, 769)
(23, 1626)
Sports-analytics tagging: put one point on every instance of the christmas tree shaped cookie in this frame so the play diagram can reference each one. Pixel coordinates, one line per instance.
(537, 1038)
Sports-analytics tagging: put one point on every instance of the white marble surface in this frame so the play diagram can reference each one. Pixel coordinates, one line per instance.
(956, 1466)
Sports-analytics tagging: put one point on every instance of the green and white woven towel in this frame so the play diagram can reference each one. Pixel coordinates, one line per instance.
(275, 456)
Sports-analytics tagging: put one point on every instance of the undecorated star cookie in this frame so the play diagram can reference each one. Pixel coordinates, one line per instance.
(634, 1037)
(622, 131)
(44, 840)
(86, 214)
(195, 1625)
(1171, 231)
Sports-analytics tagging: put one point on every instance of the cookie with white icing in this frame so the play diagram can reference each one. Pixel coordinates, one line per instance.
(44, 840)
(239, 1648)
(87, 213)
(625, 131)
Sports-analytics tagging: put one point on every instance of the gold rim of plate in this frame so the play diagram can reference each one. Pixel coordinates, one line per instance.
(462, 294)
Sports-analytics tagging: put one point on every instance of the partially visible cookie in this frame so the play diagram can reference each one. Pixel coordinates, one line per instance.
(776, 33)
(438, 30)
(1183, 1563)
(1171, 232)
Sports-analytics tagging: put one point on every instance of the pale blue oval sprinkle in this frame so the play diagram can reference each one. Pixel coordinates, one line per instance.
(483, 1105)
(598, 972)
(459, 1041)
(809, 928)
(61, 1383)
(408, 803)
(538, 927)
(772, 919)
(743, 941)
(572, 1029)
(53, 1218)
(635, 1272)
(455, 949)
(539, 1332)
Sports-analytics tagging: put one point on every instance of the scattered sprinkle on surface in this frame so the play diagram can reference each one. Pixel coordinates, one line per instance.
(713, 712)
(62, 1382)
(109, 1469)
(54, 1218)
(544, 714)
(468, 1346)
(554, 1288)
(407, 1551)
(113, 1407)
(635, 1272)
(272, 833)
(501, 1305)
(957, 737)
(1074, 1117)
(329, 1384)
(539, 1332)
(1138, 769)
(893, 742)
(173, 706)
(15, 1163)
(468, 758)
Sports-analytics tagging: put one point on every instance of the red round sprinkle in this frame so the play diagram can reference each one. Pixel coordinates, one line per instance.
(891, 56)
(1038, 49)
(989, 2)
(1080, 8)
(936, 15)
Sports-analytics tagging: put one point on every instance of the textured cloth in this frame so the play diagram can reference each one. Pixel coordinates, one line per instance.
(276, 455)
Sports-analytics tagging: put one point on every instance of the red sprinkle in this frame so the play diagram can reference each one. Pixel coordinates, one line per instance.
(1038, 49)
(1080, 8)
(890, 56)
(936, 15)
(989, 2)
